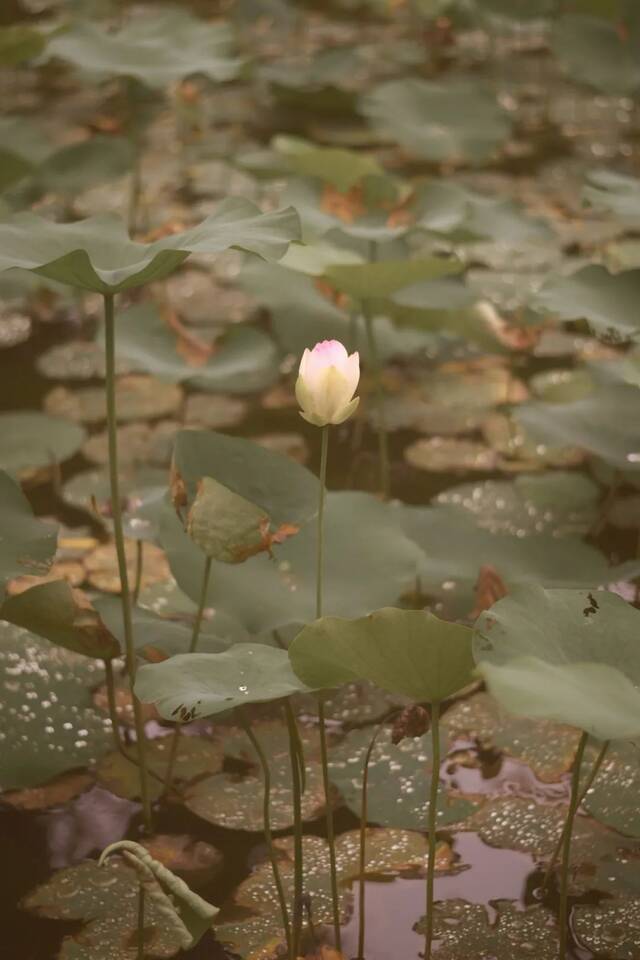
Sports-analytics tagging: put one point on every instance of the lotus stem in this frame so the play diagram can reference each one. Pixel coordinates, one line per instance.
(266, 809)
(433, 812)
(116, 507)
(298, 883)
(363, 842)
(139, 565)
(324, 758)
(195, 636)
(585, 790)
(566, 846)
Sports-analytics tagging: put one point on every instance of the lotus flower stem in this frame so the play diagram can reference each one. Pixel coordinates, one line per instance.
(363, 842)
(266, 808)
(574, 802)
(433, 812)
(585, 790)
(195, 636)
(321, 712)
(139, 565)
(116, 507)
(298, 883)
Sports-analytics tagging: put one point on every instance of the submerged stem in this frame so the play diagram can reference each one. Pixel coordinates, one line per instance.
(195, 636)
(585, 790)
(116, 508)
(266, 809)
(141, 898)
(298, 883)
(563, 919)
(433, 810)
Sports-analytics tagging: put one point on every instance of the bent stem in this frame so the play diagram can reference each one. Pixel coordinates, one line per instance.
(195, 636)
(116, 508)
(324, 758)
(433, 810)
(592, 776)
(363, 843)
(298, 882)
(566, 846)
(266, 810)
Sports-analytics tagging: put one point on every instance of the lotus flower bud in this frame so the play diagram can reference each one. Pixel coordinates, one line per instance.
(327, 380)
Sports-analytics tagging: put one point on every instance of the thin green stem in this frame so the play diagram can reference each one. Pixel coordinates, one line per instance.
(324, 758)
(141, 899)
(195, 636)
(563, 919)
(266, 810)
(113, 711)
(363, 843)
(298, 882)
(139, 565)
(433, 811)
(116, 508)
(383, 441)
(583, 793)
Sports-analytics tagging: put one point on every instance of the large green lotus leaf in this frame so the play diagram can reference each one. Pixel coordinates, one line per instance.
(561, 502)
(369, 561)
(341, 168)
(159, 636)
(158, 49)
(455, 548)
(302, 316)
(616, 193)
(142, 493)
(202, 684)
(609, 929)
(20, 42)
(97, 254)
(53, 611)
(138, 397)
(27, 545)
(47, 721)
(242, 360)
(409, 652)
(457, 923)
(373, 281)
(448, 208)
(106, 900)
(235, 800)
(564, 655)
(388, 853)
(30, 440)
(595, 52)
(607, 301)
(604, 423)
(286, 491)
(613, 797)
(398, 793)
(457, 121)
